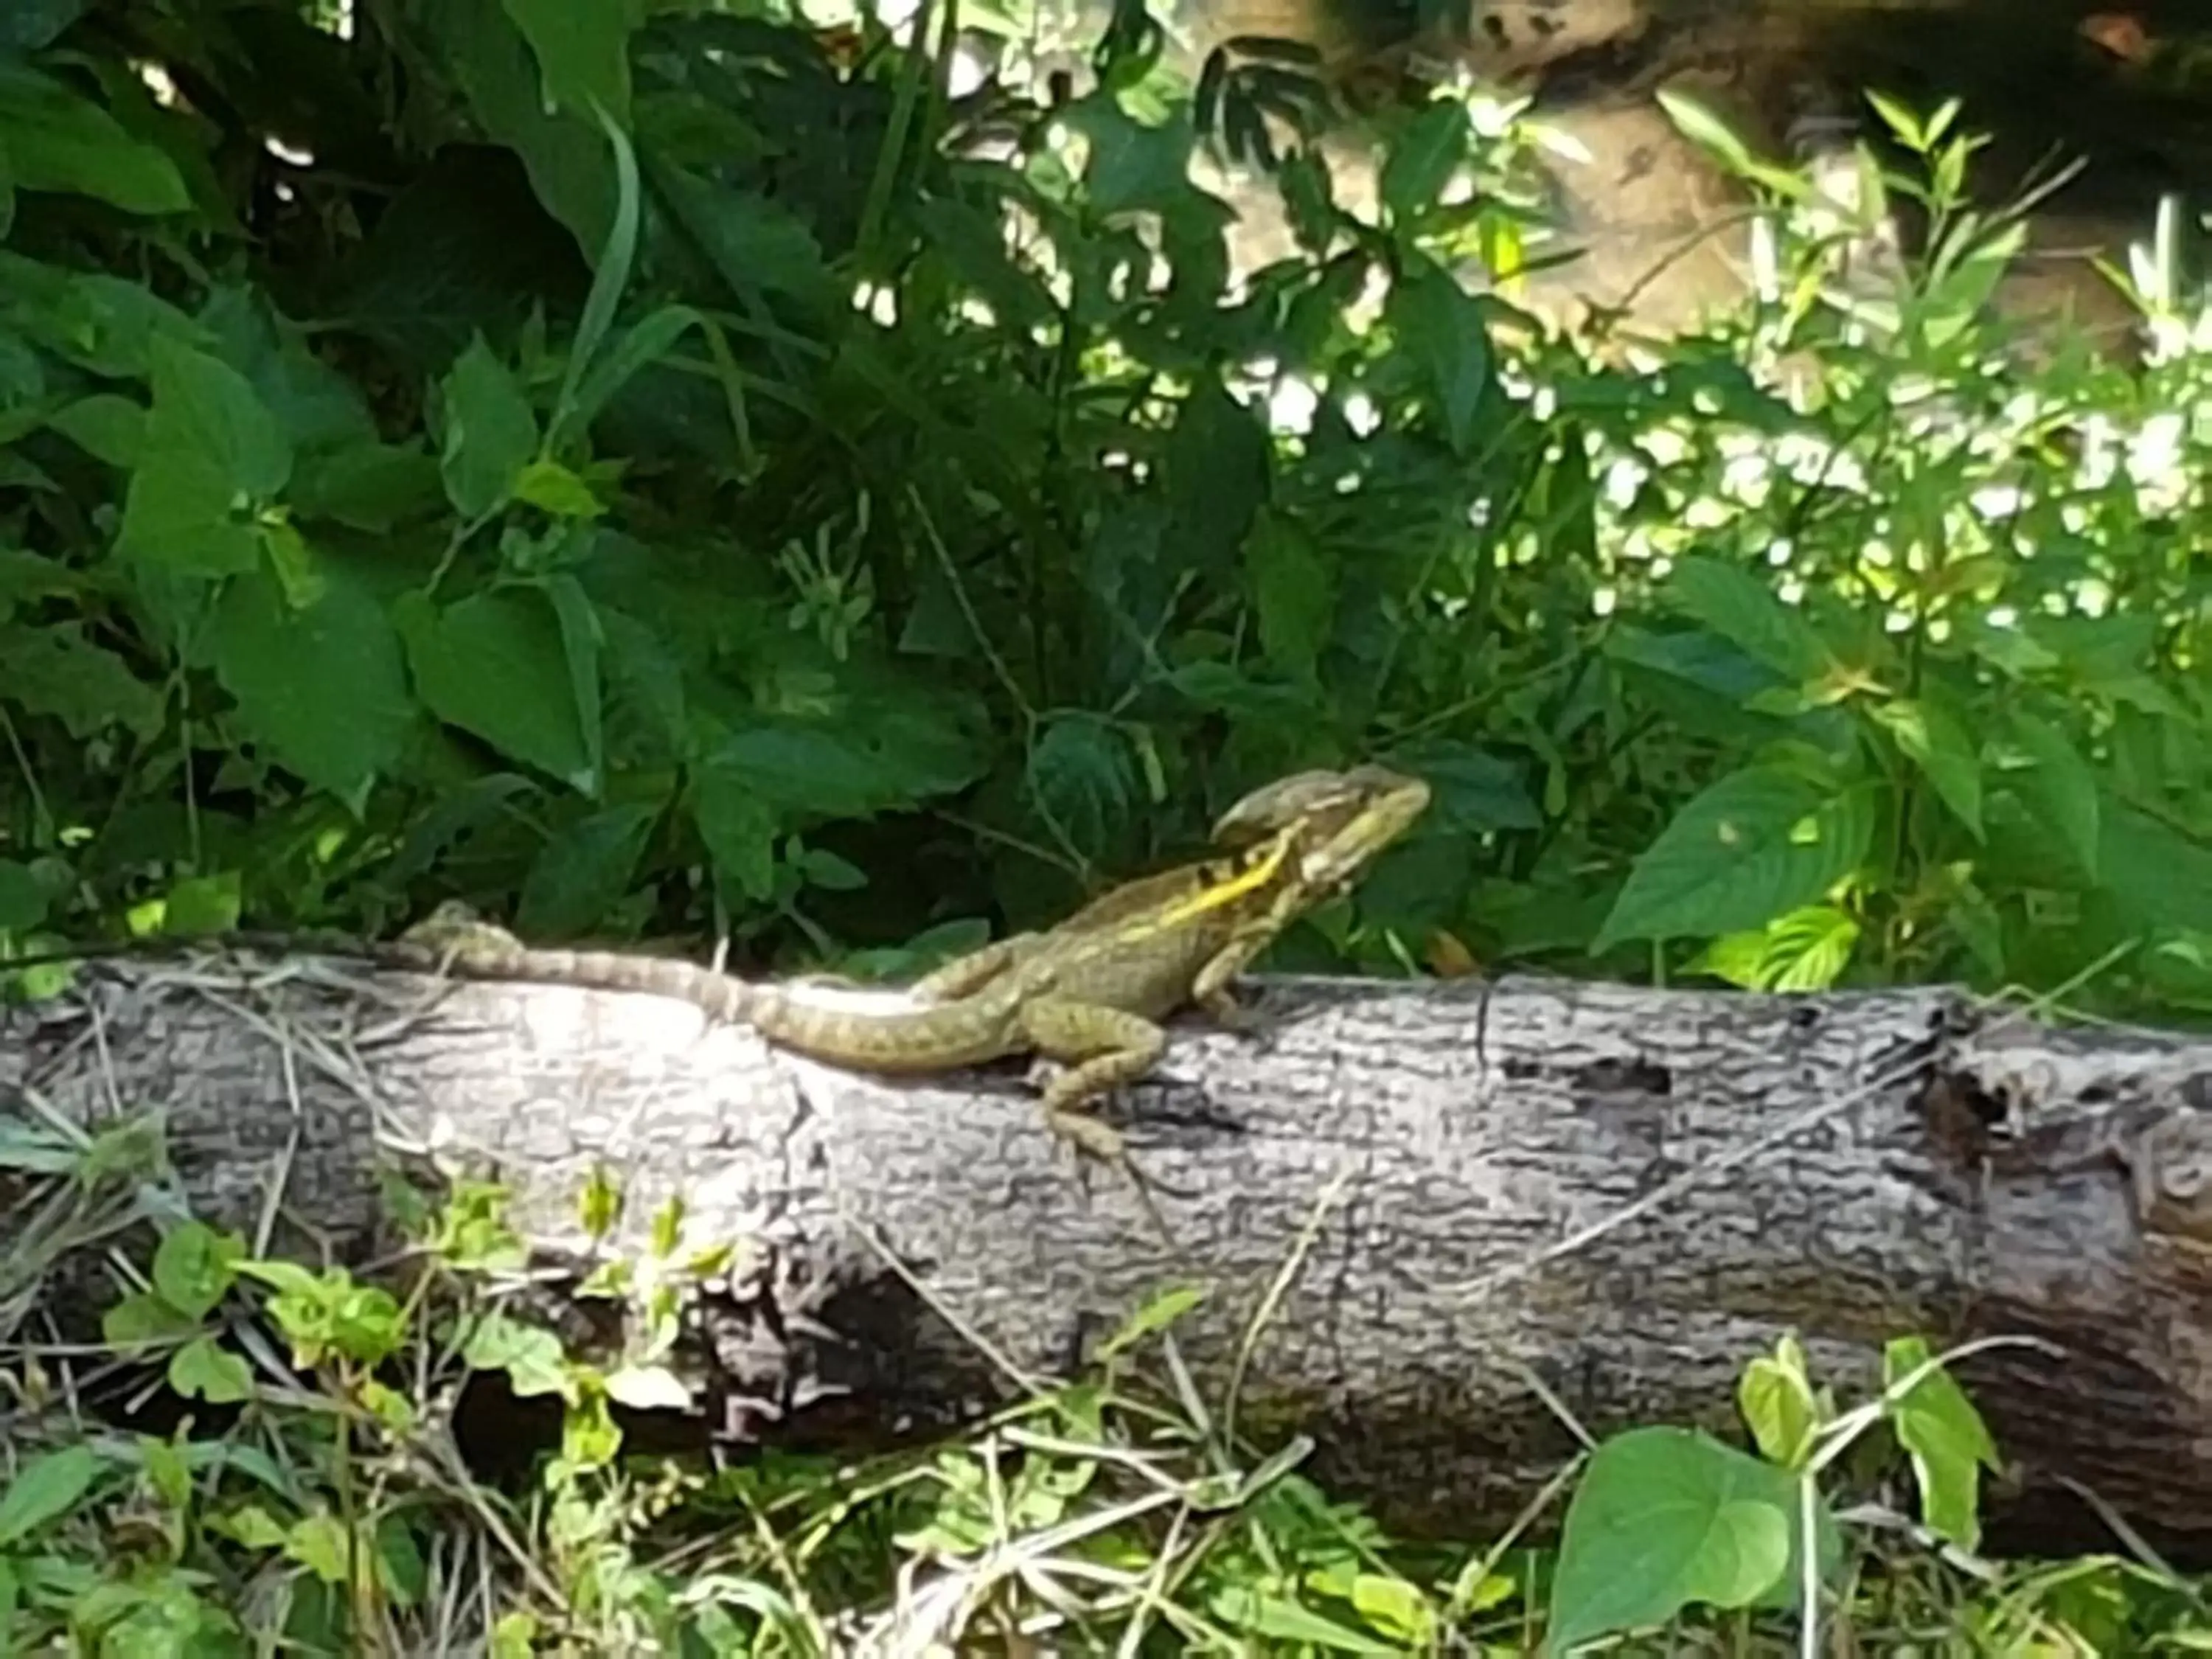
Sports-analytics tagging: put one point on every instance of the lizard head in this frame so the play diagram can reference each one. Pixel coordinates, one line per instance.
(1335, 822)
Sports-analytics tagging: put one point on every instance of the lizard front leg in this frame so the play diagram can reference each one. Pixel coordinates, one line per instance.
(1102, 1048)
(1211, 991)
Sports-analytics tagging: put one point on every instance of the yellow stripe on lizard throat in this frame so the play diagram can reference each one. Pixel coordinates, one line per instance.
(1256, 875)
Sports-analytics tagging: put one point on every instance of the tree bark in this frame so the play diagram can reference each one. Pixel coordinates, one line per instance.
(1622, 1195)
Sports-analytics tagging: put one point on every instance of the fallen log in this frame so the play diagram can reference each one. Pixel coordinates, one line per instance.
(1620, 1194)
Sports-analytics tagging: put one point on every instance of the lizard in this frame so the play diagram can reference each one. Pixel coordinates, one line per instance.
(1089, 993)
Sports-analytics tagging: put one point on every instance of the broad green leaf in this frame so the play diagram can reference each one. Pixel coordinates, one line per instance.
(1804, 950)
(105, 426)
(1294, 590)
(529, 1355)
(1083, 778)
(1474, 791)
(44, 1490)
(494, 665)
(552, 487)
(1132, 168)
(1777, 1398)
(24, 25)
(2057, 787)
(582, 51)
(489, 432)
(1441, 327)
(877, 756)
(198, 906)
(55, 139)
(1219, 475)
(204, 1368)
(567, 156)
(319, 407)
(1939, 1427)
(1422, 158)
(324, 686)
(318, 1543)
(2160, 877)
(585, 870)
(106, 323)
(1755, 845)
(739, 827)
(212, 456)
(1745, 611)
(1663, 1518)
(23, 897)
(1934, 740)
(193, 1267)
(370, 486)
(53, 671)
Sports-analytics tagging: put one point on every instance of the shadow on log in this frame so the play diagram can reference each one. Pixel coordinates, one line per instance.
(1624, 1193)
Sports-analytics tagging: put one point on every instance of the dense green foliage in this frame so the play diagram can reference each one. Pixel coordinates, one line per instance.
(675, 472)
(648, 471)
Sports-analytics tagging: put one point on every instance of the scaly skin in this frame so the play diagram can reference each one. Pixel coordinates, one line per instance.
(1089, 994)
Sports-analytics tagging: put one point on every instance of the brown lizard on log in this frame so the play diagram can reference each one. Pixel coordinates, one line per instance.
(1089, 993)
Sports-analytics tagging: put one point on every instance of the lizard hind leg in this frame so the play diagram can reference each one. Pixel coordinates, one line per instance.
(1102, 1047)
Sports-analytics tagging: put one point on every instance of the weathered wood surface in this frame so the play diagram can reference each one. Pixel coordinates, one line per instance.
(1852, 1167)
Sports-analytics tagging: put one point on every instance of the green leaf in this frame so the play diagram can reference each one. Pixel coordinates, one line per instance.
(489, 432)
(23, 897)
(105, 426)
(1278, 1620)
(55, 139)
(24, 25)
(1083, 778)
(1474, 791)
(495, 665)
(1754, 846)
(585, 871)
(1220, 474)
(194, 1265)
(552, 487)
(1294, 590)
(1939, 1427)
(1703, 128)
(582, 51)
(1934, 741)
(638, 347)
(44, 1490)
(204, 1368)
(739, 827)
(1804, 950)
(1422, 158)
(613, 275)
(141, 1320)
(370, 486)
(317, 1542)
(211, 458)
(325, 685)
(530, 1356)
(1441, 328)
(2057, 787)
(52, 670)
(1747, 613)
(199, 906)
(1777, 1402)
(1665, 1518)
